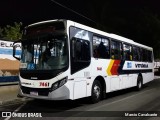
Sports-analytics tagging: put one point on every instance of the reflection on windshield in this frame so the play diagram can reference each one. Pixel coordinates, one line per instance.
(44, 53)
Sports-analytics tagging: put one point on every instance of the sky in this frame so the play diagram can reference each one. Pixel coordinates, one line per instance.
(30, 11)
(122, 17)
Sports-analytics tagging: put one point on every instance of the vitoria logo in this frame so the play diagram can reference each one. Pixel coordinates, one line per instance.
(129, 65)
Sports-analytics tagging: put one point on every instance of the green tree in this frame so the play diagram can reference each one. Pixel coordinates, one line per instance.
(13, 32)
(1, 32)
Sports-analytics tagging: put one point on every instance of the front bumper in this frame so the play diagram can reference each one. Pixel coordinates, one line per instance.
(61, 93)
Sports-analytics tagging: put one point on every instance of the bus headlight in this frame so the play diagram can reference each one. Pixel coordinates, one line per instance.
(59, 84)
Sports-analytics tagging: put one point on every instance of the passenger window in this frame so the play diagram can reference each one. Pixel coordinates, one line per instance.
(80, 54)
(149, 56)
(141, 54)
(81, 50)
(127, 52)
(116, 50)
(136, 54)
(100, 47)
(145, 55)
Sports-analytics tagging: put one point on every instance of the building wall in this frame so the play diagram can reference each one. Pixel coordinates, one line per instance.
(9, 66)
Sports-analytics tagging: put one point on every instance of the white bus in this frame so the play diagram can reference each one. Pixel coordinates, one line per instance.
(62, 59)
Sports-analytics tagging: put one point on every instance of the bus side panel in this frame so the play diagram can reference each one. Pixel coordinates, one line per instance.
(147, 77)
(82, 83)
(100, 69)
(80, 89)
(135, 76)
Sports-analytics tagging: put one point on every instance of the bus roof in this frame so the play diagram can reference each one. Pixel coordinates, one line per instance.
(114, 36)
(110, 35)
(37, 23)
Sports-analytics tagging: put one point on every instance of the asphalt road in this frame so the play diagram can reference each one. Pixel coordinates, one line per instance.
(117, 105)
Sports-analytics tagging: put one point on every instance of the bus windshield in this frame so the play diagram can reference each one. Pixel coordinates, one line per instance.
(47, 52)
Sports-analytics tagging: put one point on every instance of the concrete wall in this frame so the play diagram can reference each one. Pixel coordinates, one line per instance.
(9, 66)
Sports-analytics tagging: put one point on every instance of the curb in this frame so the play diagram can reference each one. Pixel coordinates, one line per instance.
(8, 83)
(156, 77)
(17, 100)
(9, 87)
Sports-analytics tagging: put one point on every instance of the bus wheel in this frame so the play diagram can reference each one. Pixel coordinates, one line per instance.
(139, 83)
(96, 92)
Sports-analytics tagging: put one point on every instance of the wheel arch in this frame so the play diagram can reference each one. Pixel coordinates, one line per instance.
(140, 74)
(103, 84)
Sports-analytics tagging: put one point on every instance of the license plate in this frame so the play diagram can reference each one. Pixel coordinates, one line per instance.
(34, 93)
(23, 65)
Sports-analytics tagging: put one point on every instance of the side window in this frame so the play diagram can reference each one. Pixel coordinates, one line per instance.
(100, 47)
(116, 50)
(149, 56)
(80, 54)
(145, 55)
(141, 54)
(127, 52)
(80, 50)
(136, 54)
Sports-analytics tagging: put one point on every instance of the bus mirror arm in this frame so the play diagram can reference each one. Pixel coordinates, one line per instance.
(14, 53)
(14, 50)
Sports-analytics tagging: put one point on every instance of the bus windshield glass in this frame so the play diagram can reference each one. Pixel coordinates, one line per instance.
(44, 52)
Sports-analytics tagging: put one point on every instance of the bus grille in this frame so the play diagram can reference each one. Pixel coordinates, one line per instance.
(41, 91)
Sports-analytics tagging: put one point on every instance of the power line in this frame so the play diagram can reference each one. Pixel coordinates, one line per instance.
(72, 11)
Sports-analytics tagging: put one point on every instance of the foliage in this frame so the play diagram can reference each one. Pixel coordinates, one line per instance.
(1, 32)
(11, 32)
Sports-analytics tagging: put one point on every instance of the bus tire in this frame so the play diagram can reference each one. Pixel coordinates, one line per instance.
(158, 70)
(96, 92)
(139, 83)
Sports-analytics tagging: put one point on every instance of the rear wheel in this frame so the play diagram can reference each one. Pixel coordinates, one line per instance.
(139, 83)
(96, 92)
(159, 70)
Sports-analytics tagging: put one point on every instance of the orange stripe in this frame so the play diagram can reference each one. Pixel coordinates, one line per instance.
(113, 68)
(109, 68)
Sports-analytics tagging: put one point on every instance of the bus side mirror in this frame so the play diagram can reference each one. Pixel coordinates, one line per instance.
(17, 50)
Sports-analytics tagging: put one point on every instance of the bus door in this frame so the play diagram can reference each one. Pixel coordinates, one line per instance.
(80, 61)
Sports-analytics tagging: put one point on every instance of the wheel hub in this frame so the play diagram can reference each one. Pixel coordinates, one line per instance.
(96, 91)
(140, 85)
